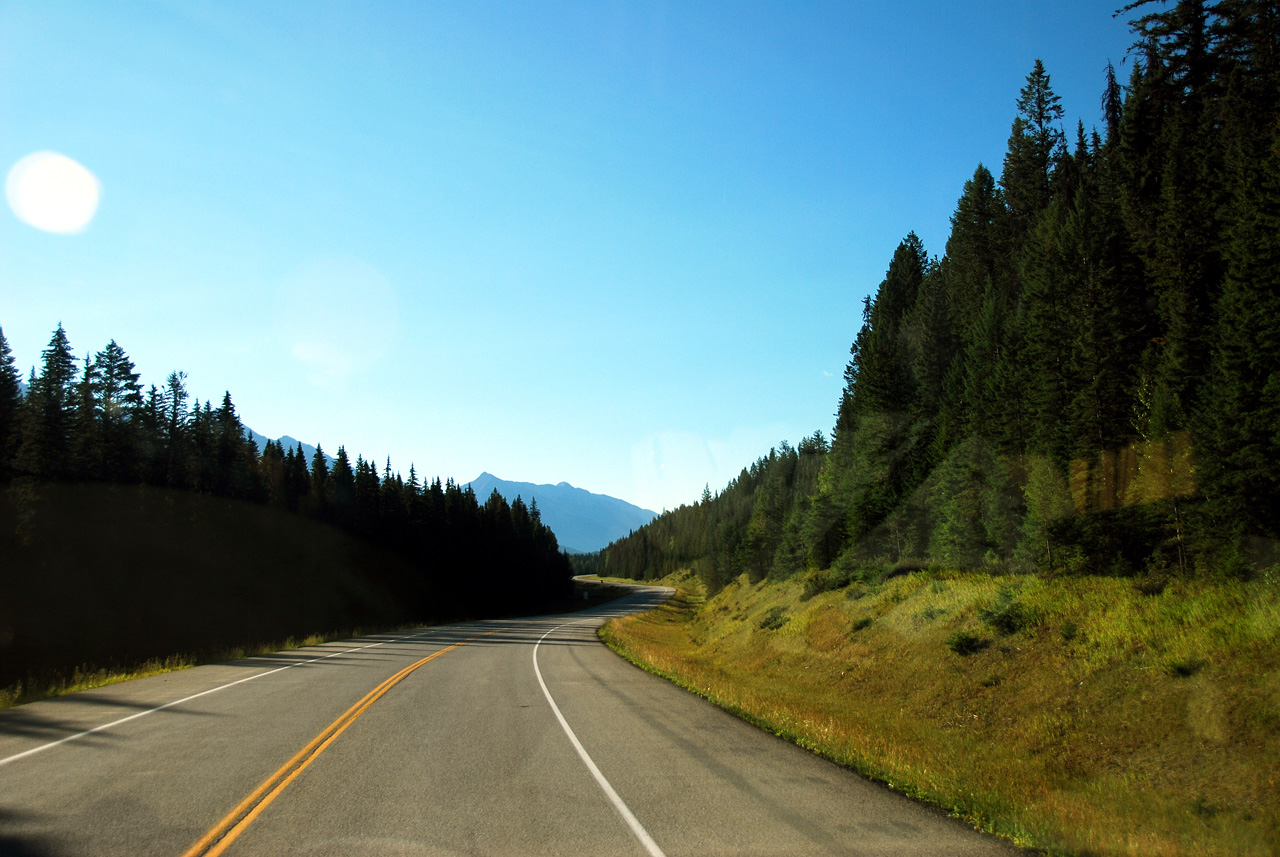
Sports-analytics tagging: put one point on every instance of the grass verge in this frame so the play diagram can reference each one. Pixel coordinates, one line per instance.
(1077, 716)
(89, 677)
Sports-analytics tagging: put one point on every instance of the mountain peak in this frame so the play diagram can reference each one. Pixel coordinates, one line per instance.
(581, 520)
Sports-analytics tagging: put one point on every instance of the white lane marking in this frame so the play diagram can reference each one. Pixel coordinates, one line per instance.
(16, 756)
(627, 815)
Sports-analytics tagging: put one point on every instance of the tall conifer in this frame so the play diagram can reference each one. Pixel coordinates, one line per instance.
(10, 401)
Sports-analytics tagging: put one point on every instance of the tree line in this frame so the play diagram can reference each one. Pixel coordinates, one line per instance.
(92, 421)
(1088, 379)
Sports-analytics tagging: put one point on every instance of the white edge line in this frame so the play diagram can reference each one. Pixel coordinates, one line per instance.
(15, 757)
(627, 815)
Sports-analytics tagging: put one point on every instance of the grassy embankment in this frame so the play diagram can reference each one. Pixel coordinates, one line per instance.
(1087, 717)
(86, 677)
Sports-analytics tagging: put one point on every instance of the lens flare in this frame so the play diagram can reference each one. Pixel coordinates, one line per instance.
(53, 193)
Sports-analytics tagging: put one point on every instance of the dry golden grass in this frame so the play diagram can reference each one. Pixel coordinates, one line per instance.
(1113, 722)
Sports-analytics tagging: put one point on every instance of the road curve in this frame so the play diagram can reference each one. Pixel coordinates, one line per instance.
(513, 737)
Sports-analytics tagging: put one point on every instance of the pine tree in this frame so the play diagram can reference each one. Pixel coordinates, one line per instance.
(10, 405)
(298, 480)
(878, 377)
(50, 412)
(118, 402)
(1242, 409)
(319, 481)
(176, 425)
(231, 476)
(1112, 105)
(342, 486)
(86, 435)
(1047, 330)
(1034, 143)
(977, 255)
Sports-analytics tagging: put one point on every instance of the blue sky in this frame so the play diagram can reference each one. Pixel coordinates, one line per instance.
(623, 245)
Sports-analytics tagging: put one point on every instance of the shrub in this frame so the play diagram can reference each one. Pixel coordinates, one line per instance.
(1186, 668)
(1151, 584)
(1009, 619)
(774, 619)
(818, 581)
(966, 643)
(861, 624)
(1006, 616)
(1068, 631)
(906, 566)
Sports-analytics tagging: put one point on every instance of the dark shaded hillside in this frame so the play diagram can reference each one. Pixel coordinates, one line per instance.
(228, 543)
(112, 575)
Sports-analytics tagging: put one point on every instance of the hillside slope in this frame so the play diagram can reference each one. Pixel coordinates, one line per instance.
(114, 575)
(1083, 716)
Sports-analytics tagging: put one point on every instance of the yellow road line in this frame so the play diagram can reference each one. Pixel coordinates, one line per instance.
(225, 831)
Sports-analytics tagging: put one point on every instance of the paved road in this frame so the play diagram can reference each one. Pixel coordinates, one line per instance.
(521, 737)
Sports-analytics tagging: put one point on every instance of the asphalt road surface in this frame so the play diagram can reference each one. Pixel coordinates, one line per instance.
(516, 737)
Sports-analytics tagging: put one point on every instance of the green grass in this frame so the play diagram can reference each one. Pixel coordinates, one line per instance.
(1098, 719)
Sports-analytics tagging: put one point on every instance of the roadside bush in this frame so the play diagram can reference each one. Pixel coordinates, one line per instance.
(774, 619)
(1151, 583)
(1006, 616)
(1186, 667)
(904, 567)
(818, 581)
(967, 643)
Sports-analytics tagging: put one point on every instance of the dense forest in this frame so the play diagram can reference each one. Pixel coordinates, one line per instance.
(91, 423)
(1087, 381)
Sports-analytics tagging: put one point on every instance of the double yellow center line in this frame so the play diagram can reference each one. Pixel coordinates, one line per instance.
(226, 831)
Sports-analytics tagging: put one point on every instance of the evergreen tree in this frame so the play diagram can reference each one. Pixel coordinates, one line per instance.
(271, 464)
(10, 404)
(342, 486)
(977, 254)
(117, 395)
(231, 477)
(1112, 105)
(175, 435)
(1034, 144)
(1241, 418)
(319, 481)
(86, 434)
(50, 412)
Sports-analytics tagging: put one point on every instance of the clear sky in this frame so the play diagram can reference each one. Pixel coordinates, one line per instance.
(622, 245)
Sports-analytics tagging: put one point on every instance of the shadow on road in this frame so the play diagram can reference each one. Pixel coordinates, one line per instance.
(53, 719)
(13, 845)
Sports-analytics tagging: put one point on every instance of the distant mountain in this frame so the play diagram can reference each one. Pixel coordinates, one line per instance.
(582, 521)
(288, 443)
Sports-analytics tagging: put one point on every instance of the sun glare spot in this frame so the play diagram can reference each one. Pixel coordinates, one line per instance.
(52, 192)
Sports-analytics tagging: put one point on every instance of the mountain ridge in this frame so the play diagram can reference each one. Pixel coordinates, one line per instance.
(582, 520)
(288, 442)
